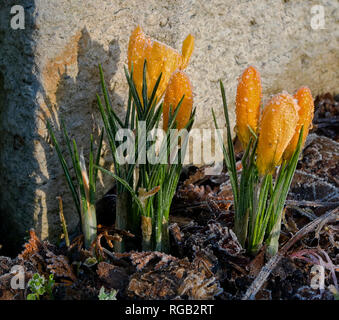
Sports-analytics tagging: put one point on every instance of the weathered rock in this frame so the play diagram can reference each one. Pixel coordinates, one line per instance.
(49, 70)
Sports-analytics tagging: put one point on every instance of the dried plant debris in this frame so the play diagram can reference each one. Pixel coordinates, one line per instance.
(308, 188)
(109, 233)
(194, 193)
(326, 116)
(5, 263)
(214, 238)
(319, 257)
(293, 274)
(285, 280)
(158, 275)
(32, 247)
(217, 249)
(176, 239)
(176, 233)
(170, 278)
(198, 177)
(200, 202)
(196, 286)
(42, 255)
(321, 158)
(13, 269)
(143, 259)
(113, 277)
(32, 260)
(73, 281)
(59, 266)
(307, 293)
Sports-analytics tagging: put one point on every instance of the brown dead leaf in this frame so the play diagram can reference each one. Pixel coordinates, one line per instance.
(113, 276)
(59, 266)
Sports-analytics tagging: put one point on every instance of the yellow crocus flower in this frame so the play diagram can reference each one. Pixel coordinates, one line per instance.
(248, 104)
(306, 112)
(160, 59)
(277, 127)
(178, 86)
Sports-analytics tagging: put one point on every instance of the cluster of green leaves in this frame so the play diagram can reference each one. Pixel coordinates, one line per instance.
(258, 201)
(39, 287)
(83, 190)
(152, 192)
(107, 296)
(148, 196)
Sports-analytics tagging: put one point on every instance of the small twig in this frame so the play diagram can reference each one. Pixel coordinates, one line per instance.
(311, 203)
(115, 260)
(322, 224)
(200, 205)
(309, 215)
(63, 222)
(256, 285)
(289, 203)
(332, 120)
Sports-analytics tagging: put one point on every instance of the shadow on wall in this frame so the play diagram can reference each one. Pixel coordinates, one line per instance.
(17, 123)
(72, 98)
(30, 174)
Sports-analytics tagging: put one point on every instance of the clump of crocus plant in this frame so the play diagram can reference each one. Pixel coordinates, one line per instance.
(272, 141)
(145, 191)
(83, 190)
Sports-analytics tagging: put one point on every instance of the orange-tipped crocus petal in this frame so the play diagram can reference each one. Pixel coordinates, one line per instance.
(138, 48)
(277, 127)
(155, 63)
(306, 112)
(248, 104)
(171, 60)
(178, 86)
(187, 49)
(160, 59)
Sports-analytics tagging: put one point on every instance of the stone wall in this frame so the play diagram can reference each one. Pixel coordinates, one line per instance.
(49, 70)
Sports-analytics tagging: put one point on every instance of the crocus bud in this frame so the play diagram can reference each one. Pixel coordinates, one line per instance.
(139, 45)
(248, 104)
(178, 86)
(160, 59)
(306, 112)
(277, 127)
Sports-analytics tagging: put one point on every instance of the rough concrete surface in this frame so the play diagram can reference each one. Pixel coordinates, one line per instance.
(49, 70)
